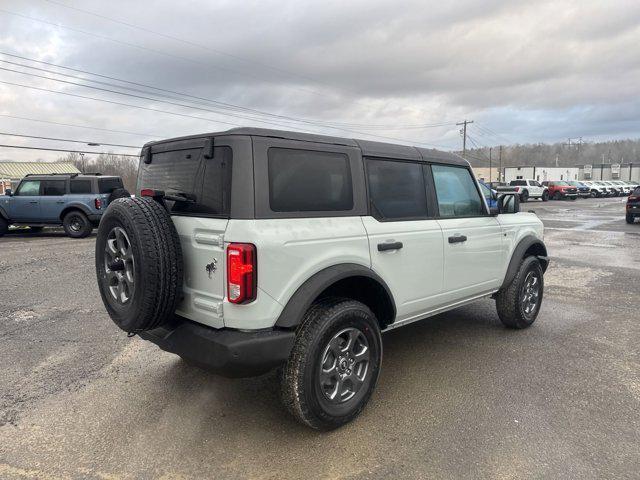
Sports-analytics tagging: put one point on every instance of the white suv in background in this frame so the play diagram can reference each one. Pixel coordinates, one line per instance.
(251, 250)
(530, 189)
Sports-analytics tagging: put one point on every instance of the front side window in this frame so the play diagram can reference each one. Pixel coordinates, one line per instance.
(518, 183)
(309, 181)
(486, 191)
(396, 189)
(457, 192)
(30, 188)
(53, 188)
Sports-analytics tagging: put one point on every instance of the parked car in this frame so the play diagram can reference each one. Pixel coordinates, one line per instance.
(490, 195)
(74, 201)
(616, 190)
(528, 189)
(633, 206)
(597, 190)
(583, 190)
(626, 189)
(263, 249)
(560, 189)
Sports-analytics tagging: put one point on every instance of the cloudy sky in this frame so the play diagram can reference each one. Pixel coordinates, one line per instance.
(524, 71)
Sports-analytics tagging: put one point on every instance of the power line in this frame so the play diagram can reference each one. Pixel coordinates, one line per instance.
(464, 136)
(22, 147)
(6, 134)
(215, 102)
(79, 126)
(187, 42)
(187, 115)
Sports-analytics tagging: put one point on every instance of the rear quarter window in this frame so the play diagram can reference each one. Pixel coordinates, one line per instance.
(108, 185)
(307, 181)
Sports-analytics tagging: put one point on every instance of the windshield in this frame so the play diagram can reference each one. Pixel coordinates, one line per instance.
(561, 183)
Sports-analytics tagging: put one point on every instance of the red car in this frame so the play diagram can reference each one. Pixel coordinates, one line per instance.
(633, 205)
(560, 189)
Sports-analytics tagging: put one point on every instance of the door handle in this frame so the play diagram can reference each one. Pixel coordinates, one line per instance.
(34, 201)
(383, 247)
(457, 239)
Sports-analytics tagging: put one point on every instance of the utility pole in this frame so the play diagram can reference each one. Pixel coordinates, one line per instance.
(464, 136)
(490, 178)
(500, 167)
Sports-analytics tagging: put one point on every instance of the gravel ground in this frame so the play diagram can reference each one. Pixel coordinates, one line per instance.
(459, 396)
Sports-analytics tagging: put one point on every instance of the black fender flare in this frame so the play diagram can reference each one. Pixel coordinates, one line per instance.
(518, 254)
(304, 296)
(75, 206)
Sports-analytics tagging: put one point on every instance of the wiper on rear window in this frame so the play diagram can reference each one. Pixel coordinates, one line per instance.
(178, 196)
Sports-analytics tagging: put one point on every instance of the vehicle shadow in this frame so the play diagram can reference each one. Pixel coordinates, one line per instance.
(423, 354)
(46, 233)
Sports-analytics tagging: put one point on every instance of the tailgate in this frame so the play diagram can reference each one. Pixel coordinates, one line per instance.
(202, 241)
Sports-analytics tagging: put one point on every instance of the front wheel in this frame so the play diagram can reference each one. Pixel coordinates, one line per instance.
(630, 218)
(557, 196)
(524, 196)
(545, 196)
(519, 303)
(77, 225)
(4, 226)
(334, 364)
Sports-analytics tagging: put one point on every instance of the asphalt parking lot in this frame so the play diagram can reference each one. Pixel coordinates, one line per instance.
(459, 396)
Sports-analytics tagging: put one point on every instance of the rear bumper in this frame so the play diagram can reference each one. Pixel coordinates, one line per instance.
(231, 353)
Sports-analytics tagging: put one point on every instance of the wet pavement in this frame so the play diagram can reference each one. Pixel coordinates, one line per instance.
(459, 396)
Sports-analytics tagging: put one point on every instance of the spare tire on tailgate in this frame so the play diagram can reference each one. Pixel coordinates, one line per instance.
(138, 264)
(117, 193)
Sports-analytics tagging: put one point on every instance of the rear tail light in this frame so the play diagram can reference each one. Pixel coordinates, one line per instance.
(517, 189)
(633, 198)
(98, 203)
(241, 272)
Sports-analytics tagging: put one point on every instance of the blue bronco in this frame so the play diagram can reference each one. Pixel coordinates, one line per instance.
(75, 201)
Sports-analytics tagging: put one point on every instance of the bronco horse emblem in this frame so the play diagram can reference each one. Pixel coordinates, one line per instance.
(212, 267)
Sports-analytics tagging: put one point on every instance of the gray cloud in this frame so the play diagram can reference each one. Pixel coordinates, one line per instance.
(529, 70)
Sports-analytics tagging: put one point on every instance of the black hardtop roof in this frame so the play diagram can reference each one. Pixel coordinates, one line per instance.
(368, 147)
(39, 176)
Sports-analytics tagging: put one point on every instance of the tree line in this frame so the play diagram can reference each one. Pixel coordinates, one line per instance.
(565, 153)
(106, 164)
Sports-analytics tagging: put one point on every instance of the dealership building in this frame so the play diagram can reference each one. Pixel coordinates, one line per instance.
(12, 172)
(541, 174)
(610, 171)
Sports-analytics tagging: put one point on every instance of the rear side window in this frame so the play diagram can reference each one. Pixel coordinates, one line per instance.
(518, 183)
(457, 192)
(108, 185)
(396, 189)
(307, 181)
(53, 188)
(186, 172)
(80, 186)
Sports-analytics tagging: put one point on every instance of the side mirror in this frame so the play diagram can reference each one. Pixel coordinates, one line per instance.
(8, 192)
(508, 203)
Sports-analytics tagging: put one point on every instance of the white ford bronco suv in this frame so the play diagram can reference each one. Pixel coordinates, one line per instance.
(252, 249)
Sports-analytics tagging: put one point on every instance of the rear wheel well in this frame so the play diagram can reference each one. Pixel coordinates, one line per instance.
(69, 210)
(366, 290)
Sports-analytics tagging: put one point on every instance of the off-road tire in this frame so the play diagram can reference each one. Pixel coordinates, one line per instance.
(509, 300)
(524, 196)
(118, 193)
(4, 226)
(157, 263)
(557, 196)
(630, 219)
(299, 378)
(76, 224)
(545, 196)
